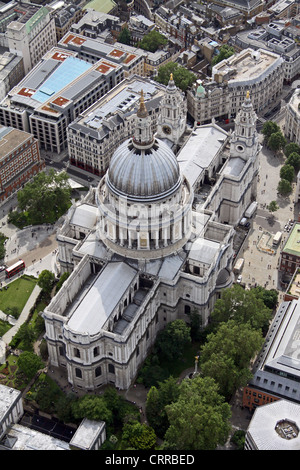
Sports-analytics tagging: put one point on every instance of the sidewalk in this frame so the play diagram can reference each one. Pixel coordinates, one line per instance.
(7, 337)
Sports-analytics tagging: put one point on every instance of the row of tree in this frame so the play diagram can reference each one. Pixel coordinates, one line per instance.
(238, 322)
(275, 140)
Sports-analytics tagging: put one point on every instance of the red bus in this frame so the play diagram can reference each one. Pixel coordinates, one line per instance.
(15, 268)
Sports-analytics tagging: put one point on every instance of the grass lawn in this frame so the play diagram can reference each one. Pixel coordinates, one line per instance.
(17, 293)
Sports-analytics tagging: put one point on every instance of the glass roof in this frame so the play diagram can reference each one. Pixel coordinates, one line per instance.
(69, 70)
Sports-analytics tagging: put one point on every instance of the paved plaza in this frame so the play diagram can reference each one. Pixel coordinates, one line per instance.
(261, 258)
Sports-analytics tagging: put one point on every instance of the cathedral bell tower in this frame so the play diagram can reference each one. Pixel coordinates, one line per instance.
(244, 140)
(171, 122)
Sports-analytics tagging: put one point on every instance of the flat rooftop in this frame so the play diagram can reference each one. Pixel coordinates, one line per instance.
(292, 245)
(123, 99)
(10, 139)
(8, 396)
(247, 65)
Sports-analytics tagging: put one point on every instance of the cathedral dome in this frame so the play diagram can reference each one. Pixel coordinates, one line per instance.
(144, 174)
(143, 168)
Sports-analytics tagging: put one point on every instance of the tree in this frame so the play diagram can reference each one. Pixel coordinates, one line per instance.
(2, 245)
(284, 187)
(276, 141)
(138, 436)
(270, 128)
(225, 52)
(62, 279)
(29, 363)
(182, 77)
(226, 355)
(172, 340)
(125, 36)
(92, 407)
(269, 296)
(292, 147)
(287, 172)
(43, 200)
(294, 160)
(157, 398)
(242, 306)
(25, 336)
(46, 280)
(273, 207)
(199, 419)
(63, 407)
(152, 41)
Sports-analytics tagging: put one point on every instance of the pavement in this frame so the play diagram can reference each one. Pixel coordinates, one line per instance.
(260, 267)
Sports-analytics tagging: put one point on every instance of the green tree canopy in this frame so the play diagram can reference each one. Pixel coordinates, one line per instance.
(269, 296)
(157, 398)
(199, 419)
(152, 41)
(284, 187)
(269, 128)
(242, 306)
(138, 436)
(183, 78)
(44, 199)
(46, 280)
(92, 407)
(172, 340)
(287, 172)
(294, 160)
(2, 245)
(225, 52)
(226, 355)
(273, 206)
(276, 141)
(29, 363)
(292, 147)
(125, 36)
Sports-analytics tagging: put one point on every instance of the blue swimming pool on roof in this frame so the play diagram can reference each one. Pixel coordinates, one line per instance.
(69, 70)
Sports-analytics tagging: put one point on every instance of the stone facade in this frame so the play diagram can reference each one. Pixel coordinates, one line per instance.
(130, 275)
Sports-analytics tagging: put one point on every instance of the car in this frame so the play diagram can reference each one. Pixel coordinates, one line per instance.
(239, 279)
(247, 225)
(2, 268)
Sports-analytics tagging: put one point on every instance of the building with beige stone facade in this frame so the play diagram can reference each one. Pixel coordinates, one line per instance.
(141, 254)
(261, 72)
(292, 118)
(32, 34)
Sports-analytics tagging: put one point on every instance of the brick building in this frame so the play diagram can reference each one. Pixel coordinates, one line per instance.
(19, 160)
(290, 254)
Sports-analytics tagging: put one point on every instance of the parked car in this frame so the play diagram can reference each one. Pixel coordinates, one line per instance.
(239, 279)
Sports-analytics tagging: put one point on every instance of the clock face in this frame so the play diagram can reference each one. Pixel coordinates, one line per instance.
(166, 129)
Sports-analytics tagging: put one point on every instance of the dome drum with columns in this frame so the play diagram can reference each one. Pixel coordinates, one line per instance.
(144, 202)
